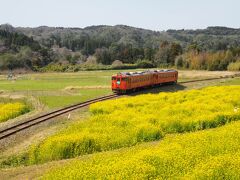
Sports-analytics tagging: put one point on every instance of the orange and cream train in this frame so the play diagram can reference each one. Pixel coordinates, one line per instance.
(131, 81)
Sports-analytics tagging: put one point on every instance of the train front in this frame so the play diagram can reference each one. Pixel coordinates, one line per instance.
(118, 84)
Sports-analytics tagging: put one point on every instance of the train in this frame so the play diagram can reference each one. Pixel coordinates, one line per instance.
(126, 82)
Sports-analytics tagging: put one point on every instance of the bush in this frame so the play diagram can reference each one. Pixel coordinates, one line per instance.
(84, 67)
(145, 64)
(178, 62)
(211, 61)
(234, 66)
(117, 63)
(125, 66)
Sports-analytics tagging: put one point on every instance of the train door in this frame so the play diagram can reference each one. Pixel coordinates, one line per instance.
(114, 82)
(129, 84)
(155, 79)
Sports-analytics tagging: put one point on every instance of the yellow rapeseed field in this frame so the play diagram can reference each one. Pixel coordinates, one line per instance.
(12, 110)
(208, 154)
(128, 121)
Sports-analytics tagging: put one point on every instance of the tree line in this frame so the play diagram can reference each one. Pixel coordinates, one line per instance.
(214, 48)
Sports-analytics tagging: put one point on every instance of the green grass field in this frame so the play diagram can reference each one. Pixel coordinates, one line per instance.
(59, 89)
(56, 90)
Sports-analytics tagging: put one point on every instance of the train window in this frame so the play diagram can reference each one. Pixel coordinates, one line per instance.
(113, 78)
(118, 81)
(125, 79)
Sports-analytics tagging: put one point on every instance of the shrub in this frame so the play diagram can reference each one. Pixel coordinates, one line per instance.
(235, 66)
(145, 64)
(117, 63)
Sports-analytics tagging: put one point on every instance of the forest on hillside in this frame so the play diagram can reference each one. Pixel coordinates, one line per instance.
(108, 47)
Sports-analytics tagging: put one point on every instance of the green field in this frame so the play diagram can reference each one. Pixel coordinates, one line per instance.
(56, 90)
(59, 89)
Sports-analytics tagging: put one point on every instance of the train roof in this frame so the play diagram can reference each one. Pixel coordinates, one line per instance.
(145, 72)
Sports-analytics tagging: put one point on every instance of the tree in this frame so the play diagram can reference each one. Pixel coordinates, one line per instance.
(167, 53)
(179, 61)
(103, 56)
(149, 53)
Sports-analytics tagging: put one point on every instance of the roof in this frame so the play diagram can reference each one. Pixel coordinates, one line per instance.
(145, 72)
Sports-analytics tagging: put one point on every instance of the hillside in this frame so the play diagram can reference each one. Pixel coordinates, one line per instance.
(105, 35)
(120, 42)
(137, 37)
(20, 51)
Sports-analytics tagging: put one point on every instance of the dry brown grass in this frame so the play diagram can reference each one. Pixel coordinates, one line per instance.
(70, 88)
(196, 74)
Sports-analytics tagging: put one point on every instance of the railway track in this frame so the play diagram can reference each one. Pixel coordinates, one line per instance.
(208, 79)
(34, 121)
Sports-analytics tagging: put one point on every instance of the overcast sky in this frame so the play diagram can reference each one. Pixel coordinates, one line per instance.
(148, 14)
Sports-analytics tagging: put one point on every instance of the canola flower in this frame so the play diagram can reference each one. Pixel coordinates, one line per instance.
(12, 110)
(128, 121)
(208, 154)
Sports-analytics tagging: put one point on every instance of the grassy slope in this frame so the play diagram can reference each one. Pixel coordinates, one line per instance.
(205, 154)
(213, 154)
(128, 121)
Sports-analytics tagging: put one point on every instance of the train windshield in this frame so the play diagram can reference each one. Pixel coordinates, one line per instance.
(118, 81)
(113, 78)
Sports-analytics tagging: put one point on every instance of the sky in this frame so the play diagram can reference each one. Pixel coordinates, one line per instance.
(148, 14)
